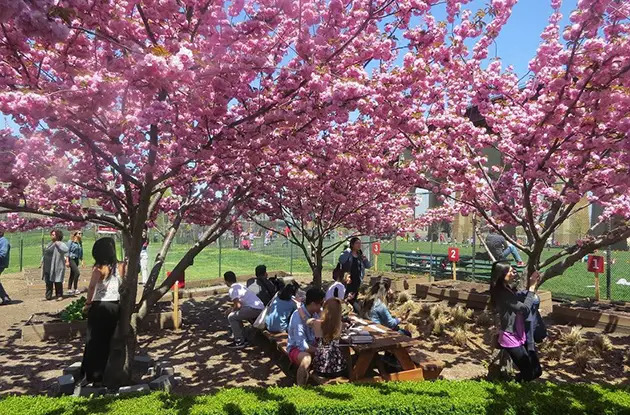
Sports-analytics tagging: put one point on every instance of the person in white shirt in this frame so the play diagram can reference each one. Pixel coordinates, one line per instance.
(246, 306)
(338, 288)
(102, 310)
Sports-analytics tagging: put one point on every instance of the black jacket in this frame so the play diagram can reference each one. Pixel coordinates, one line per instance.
(263, 288)
(507, 304)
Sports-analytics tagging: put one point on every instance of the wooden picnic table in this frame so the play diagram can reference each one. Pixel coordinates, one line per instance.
(385, 340)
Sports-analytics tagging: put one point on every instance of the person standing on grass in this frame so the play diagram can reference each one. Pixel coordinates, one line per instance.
(144, 256)
(54, 265)
(302, 345)
(353, 261)
(5, 250)
(246, 306)
(501, 249)
(102, 308)
(512, 314)
(75, 254)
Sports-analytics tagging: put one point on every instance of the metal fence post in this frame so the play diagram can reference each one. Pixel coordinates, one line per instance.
(474, 248)
(220, 256)
(21, 253)
(290, 258)
(431, 261)
(395, 261)
(608, 265)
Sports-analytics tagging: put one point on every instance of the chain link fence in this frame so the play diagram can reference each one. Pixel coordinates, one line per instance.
(240, 252)
(255, 245)
(575, 283)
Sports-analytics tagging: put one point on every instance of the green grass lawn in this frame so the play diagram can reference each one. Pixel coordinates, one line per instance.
(575, 283)
(394, 398)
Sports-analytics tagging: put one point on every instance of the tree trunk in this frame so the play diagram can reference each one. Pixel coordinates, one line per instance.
(318, 266)
(123, 344)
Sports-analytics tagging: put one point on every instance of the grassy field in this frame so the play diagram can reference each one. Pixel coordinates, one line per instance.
(276, 256)
(576, 282)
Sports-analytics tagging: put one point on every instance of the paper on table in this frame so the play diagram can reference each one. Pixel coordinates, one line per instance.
(376, 328)
(360, 321)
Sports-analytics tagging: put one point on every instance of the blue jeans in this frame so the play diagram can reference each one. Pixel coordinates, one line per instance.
(3, 294)
(511, 249)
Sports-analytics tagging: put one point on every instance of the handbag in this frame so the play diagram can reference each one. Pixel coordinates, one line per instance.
(260, 323)
(540, 332)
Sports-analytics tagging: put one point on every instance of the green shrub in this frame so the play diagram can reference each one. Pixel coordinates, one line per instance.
(74, 311)
(407, 398)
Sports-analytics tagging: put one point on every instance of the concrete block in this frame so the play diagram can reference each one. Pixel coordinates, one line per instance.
(177, 380)
(90, 391)
(74, 370)
(142, 362)
(167, 371)
(151, 372)
(163, 383)
(142, 388)
(66, 384)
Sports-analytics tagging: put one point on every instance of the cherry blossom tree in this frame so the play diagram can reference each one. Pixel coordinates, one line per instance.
(561, 133)
(344, 179)
(174, 106)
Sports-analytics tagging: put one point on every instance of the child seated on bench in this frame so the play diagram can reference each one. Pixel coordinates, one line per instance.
(328, 360)
(246, 306)
(281, 309)
(301, 344)
(338, 288)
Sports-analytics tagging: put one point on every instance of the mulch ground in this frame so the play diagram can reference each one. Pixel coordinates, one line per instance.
(200, 354)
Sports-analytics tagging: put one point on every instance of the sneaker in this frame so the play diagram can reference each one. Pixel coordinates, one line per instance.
(238, 344)
(520, 264)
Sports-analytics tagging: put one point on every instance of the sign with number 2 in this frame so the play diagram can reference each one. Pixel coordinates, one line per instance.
(453, 254)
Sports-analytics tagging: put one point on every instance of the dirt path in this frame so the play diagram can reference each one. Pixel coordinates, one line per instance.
(200, 355)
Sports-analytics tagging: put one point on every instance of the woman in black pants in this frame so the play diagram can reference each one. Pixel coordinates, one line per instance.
(512, 314)
(75, 254)
(102, 309)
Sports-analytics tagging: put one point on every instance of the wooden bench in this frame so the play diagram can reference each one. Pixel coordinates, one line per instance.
(280, 342)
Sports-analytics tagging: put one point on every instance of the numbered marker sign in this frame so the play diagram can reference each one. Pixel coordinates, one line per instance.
(453, 254)
(595, 263)
(181, 283)
(376, 248)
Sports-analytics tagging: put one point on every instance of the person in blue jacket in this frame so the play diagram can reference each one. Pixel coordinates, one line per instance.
(375, 307)
(281, 309)
(5, 249)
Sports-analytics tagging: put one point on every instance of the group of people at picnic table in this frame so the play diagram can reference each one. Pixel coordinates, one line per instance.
(314, 320)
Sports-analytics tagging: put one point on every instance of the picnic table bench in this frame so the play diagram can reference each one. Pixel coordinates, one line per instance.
(363, 357)
(439, 265)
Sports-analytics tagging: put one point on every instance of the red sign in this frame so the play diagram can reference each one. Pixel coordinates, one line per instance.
(181, 283)
(376, 248)
(595, 263)
(106, 230)
(453, 254)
